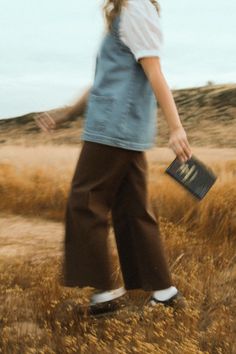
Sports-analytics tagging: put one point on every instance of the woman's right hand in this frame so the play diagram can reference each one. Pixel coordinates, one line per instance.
(45, 122)
(178, 142)
(49, 122)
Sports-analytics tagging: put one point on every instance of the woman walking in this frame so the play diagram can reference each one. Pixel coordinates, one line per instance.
(111, 172)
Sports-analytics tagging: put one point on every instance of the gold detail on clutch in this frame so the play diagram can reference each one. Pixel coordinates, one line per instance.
(188, 173)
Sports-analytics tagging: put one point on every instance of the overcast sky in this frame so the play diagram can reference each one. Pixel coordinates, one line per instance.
(48, 48)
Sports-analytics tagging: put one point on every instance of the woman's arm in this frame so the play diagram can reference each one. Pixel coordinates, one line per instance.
(178, 140)
(79, 106)
(48, 122)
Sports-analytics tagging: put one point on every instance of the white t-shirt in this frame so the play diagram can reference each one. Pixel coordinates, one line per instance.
(140, 29)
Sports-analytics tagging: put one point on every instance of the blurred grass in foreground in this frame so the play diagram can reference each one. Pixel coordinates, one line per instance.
(199, 239)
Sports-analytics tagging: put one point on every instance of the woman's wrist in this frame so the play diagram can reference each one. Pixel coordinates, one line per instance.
(70, 115)
(63, 116)
(175, 127)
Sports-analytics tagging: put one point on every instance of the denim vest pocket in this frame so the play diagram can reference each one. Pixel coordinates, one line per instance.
(98, 111)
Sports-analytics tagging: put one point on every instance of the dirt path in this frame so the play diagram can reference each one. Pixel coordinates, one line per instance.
(37, 239)
(65, 156)
(34, 238)
(204, 153)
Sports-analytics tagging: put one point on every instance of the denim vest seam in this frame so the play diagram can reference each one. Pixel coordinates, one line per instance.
(121, 44)
(109, 138)
(130, 98)
(109, 102)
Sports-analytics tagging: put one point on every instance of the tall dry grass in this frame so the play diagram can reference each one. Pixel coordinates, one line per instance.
(37, 315)
(213, 218)
(39, 186)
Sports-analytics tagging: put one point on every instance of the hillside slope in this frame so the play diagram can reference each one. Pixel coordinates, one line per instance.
(208, 114)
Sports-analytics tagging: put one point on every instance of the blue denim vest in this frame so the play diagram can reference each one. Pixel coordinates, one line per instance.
(121, 108)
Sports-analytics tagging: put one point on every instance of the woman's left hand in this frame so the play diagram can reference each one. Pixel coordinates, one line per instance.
(178, 142)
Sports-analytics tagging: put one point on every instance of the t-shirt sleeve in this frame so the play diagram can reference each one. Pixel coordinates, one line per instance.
(140, 29)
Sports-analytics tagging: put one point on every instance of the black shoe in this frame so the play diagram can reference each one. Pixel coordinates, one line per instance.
(176, 301)
(105, 308)
(106, 302)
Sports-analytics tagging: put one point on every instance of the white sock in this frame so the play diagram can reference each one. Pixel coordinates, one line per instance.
(108, 295)
(165, 294)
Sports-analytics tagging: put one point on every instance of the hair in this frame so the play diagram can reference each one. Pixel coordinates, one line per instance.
(112, 8)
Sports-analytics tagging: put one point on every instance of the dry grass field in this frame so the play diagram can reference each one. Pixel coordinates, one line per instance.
(37, 315)
(199, 239)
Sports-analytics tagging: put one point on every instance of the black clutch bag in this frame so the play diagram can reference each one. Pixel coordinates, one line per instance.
(193, 175)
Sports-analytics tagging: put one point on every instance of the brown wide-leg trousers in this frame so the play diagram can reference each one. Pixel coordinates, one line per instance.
(112, 179)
